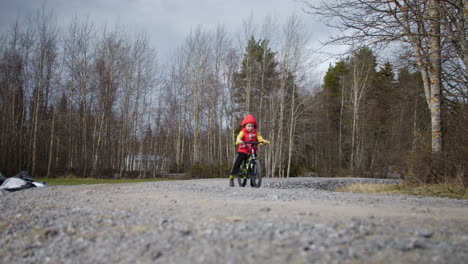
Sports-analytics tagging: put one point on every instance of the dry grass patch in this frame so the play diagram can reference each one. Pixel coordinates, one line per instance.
(433, 190)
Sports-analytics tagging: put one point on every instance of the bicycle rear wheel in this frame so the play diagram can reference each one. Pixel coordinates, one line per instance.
(256, 175)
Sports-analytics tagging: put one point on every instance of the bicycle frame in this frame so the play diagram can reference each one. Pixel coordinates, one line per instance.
(249, 162)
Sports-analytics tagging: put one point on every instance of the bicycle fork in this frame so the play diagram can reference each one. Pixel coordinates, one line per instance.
(246, 168)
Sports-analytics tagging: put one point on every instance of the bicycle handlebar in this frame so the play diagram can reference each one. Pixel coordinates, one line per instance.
(253, 143)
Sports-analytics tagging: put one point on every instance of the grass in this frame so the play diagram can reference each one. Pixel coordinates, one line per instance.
(433, 190)
(78, 181)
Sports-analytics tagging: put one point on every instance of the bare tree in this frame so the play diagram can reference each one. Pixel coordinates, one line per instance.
(231, 64)
(78, 63)
(416, 22)
(198, 48)
(453, 17)
(177, 90)
(362, 66)
(14, 51)
(269, 34)
(294, 59)
(218, 95)
(109, 78)
(455, 63)
(44, 62)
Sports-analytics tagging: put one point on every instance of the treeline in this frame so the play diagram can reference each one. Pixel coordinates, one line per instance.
(89, 100)
(84, 99)
(431, 37)
(74, 100)
(373, 121)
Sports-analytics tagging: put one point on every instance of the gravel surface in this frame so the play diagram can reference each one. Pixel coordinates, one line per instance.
(204, 221)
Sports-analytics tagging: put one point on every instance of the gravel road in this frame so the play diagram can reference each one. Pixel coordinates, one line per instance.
(296, 220)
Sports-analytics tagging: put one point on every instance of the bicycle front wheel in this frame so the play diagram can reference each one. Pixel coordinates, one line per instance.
(241, 179)
(256, 176)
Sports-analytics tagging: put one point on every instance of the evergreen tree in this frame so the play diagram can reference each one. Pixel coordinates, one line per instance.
(257, 77)
(331, 118)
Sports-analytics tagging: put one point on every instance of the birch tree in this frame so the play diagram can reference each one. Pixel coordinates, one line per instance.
(362, 66)
(416, 22)
(44, 65)
(13, 96)
(220, 42)
(293, 58)
(179, 104)
(198, 48)
(78, 63)
(109, 76)
(269, 33)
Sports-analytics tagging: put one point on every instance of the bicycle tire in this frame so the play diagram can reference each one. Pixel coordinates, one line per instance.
(241, 180)
(240, 177)
(252, 175)
(256, 176)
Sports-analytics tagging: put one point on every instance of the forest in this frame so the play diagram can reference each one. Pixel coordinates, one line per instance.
(95, 100)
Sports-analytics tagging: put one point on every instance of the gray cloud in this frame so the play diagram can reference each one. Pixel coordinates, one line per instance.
(167, 22)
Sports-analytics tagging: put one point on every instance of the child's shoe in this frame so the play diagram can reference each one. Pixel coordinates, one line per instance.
(231, 181)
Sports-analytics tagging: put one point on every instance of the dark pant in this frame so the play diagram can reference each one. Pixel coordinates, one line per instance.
(240, 158)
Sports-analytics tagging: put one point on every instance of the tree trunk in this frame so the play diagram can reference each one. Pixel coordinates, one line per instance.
(415, 126)
(51, 144)
(292, 128)
(340, 125)
(435, 82)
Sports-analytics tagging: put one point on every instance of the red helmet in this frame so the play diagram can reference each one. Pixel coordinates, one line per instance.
(249, 119)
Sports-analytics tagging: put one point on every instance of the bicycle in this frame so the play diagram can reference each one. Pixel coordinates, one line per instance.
(250, 169)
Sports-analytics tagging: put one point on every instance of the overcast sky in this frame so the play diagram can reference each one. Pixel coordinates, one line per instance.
(167, 22)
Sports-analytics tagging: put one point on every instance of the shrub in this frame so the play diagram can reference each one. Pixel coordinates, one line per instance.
(445, 168)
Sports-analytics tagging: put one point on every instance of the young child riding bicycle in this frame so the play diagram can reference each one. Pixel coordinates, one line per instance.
(248, 133)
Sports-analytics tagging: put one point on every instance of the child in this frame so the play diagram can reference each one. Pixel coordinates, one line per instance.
(248, 133)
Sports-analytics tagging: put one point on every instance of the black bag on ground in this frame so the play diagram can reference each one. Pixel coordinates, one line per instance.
(20, 181)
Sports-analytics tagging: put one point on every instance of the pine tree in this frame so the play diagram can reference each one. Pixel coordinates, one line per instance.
(256, 78)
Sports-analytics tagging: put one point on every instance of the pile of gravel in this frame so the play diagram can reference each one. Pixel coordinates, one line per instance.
(327, 184)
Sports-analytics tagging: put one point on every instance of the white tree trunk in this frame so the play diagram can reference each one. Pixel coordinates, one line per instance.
(435, 69)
